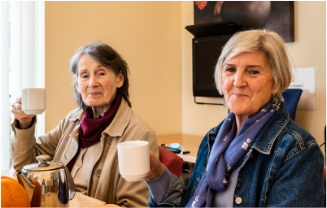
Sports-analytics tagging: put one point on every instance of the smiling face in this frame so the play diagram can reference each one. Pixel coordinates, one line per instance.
(97, 84)
(248, 83)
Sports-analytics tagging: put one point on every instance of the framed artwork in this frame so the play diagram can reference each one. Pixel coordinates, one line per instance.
(277, 16)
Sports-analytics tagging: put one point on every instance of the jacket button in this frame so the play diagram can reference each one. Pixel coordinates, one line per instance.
(98, 172)
(238, 200)
(109, 140)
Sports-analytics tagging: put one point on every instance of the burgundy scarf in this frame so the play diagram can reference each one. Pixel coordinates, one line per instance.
(91, 129)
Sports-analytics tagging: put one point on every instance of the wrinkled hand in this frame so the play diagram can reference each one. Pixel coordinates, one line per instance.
(156, 167)
(24, 120)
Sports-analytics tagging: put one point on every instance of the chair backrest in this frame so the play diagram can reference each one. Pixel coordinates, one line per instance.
(173, 162)
(291, 99)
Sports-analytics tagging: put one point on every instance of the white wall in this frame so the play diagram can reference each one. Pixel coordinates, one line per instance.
(308, 50)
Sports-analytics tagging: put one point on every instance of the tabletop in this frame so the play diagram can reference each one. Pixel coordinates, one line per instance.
(189, 142)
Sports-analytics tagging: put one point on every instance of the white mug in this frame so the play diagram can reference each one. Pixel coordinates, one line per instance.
(33, 101)
(133, 160)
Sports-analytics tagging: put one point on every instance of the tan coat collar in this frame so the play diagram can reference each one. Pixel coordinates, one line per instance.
(118, 124)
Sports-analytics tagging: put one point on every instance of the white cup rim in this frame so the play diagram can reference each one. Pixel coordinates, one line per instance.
(34, 88)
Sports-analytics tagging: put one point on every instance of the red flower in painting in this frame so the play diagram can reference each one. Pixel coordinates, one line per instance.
(201, 4)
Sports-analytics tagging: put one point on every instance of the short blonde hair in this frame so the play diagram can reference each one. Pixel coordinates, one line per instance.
(269, 43)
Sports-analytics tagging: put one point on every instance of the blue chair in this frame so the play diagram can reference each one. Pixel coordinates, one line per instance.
(291, 99)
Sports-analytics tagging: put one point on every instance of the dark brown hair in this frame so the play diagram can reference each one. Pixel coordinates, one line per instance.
(107, 57)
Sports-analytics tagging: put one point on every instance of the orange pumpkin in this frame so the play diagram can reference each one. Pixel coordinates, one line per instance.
(13, 194)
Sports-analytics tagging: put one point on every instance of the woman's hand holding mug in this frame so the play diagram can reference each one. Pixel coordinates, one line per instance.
(24, 120)
(156, 168)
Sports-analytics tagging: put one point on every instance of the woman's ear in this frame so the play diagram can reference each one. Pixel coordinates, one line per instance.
(77, 87)
(120, 79)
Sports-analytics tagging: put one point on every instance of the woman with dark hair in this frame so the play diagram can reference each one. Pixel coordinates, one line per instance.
(86, 139)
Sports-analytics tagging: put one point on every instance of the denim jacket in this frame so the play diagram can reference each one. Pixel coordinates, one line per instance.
(283, 168)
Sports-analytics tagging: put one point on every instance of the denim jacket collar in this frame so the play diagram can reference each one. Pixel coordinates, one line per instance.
(267, 136)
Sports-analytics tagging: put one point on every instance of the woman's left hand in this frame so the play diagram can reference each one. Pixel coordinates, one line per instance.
(24, 120)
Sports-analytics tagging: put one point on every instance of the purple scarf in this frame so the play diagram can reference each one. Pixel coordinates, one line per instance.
(228, 153)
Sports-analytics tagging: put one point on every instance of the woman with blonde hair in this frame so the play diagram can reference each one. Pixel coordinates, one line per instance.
(257, 156)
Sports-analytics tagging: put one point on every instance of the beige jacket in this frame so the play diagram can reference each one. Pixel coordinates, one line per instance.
(61, 143)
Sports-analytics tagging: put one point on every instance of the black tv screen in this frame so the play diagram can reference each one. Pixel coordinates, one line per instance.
(206, 51)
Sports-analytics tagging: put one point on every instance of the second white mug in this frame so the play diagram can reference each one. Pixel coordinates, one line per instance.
(133, 160)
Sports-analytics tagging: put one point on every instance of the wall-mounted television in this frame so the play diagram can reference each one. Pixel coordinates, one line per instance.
(206, 51)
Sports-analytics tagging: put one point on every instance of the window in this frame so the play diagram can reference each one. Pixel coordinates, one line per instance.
(22, 62)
